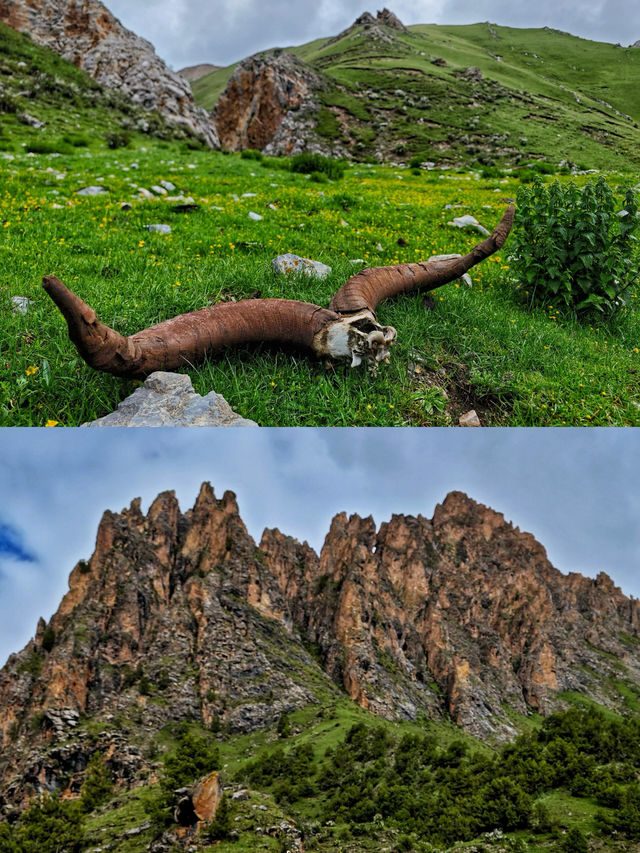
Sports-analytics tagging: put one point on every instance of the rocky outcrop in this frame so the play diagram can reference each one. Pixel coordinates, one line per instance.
(375, 29)
(87, 34)
(270, 103)
(180, 616)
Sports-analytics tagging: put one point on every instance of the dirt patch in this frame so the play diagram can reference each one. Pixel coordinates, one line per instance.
(442, 394)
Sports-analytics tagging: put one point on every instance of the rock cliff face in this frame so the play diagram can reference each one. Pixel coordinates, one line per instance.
(270, 103)
(87, 34)
(180, 616)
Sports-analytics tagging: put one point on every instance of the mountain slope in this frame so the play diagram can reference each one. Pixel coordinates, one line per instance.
(89, 36)
(475, 93)
(180, 617)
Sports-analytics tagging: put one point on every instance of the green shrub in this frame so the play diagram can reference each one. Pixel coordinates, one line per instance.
(575, 842)
(306, 164)
(319, 177)
(251, 154)
(76, 140)
(51, 146)
(491, 172)
(98, 784)
(220, 826)
(572, 246)
(118, 139)
(50, 826)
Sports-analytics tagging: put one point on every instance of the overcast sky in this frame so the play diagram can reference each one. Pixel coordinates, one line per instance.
(577, 491)
(187, 32)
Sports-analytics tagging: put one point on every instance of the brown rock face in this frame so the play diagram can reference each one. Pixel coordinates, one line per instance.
(180, 616)
(87, 34)
(262, 92)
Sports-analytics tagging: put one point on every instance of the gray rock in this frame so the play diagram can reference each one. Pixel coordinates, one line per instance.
(158, 190)
(145, 193)
(92, 191)
(168, 186)
(32, 121)
(469, 419)
(20, 304)
(160, 229)
(289, 263)
(469, 221)
(126, 206)
(168, 399)
(255, 216)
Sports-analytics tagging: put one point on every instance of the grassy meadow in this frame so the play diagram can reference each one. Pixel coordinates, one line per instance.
(476, 348)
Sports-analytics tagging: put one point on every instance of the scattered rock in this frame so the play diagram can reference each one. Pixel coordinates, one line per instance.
(255, 216)
(92, 191)
(469, 419)
(158, 190)
(20, 304)
(379, 247)
(357, 261)
(241, 795)
(160, 229)
(168, 186)
(442, 63)
(31, 121)
(126, 206)
(145, 193)
(168, 399)
(289, 263)
(249, 195)
(469, 221)
(401, 242)
(473, 73)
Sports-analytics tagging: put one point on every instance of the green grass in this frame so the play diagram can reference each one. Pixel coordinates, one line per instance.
(475, 348)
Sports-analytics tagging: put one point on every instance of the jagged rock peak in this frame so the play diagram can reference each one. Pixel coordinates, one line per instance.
(384, 17)
(388, 18)
(86, 33)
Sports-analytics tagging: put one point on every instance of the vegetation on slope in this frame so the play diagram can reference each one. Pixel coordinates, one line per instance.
(539, 93)
(47, 105)
(341, 780)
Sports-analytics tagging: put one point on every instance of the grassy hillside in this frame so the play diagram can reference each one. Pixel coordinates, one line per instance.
(336, 778)
(73, 110)
(543, 94)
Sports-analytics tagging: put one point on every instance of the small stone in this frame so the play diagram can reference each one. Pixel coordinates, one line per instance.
(272, 207)
(31, 121)
(20, 304)
(92, 191)
(469, 419)
(57, 207)
(289, 263)
(145, 193)
(126, 206)
(344, 223)
(357, 261)
(468, 221)
(249, 195)
(158, 190)
(379, 247)
(168, 186)
(160, 229)
(255, 217)
(169, 400)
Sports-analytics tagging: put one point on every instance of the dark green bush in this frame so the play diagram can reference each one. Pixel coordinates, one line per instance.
(118, 139)
(48, 146)
(306, 164)
(251, 154)
(76, 140)
(98, 784)
(574, 247)
(48, 639)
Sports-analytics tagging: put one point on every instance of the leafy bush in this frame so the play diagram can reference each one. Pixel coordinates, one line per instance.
(220, 826)
(76, 140)
(118, 139)
(306, 164)
(51, 146)
(571, 246)
(251, 154)
(50, 826)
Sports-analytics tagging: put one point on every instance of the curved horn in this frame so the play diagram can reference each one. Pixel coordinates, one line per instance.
(368, 288)
(189, 338)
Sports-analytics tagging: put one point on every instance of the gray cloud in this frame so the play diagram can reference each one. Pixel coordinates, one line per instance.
(186, 32)
(575, 490)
